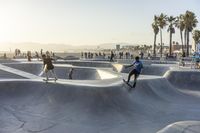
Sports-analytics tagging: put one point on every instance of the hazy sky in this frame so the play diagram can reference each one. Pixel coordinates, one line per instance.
(81, 22)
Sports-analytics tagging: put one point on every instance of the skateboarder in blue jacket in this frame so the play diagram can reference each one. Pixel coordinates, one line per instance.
(136, 70)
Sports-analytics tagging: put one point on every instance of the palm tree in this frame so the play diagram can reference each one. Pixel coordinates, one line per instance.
(180, 25)
(190, 22)
(171, 31)
(196, 37)
(137, 48)
(155, 30)
(161, 24)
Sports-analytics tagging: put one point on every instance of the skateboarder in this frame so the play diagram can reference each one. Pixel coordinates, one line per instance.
(112, 56)
(48, 66)
(136, 70)
(70, 73)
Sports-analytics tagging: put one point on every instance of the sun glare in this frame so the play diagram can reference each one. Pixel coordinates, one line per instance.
(10, 22)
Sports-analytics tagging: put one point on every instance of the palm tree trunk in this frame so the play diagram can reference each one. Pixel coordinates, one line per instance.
(188, 46)
(160, 42)
(170, 43)
(154, 46)
(185, 38)
(182, 40)
(195, 46)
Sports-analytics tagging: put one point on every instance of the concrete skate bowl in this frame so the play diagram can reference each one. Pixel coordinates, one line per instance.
(146, 62)
(62, 72)
(105, 107)
(182, 127)
(8, 75)
(148, 69)
(184, 79)
(71, 58)
(6, 61)
(87, 63)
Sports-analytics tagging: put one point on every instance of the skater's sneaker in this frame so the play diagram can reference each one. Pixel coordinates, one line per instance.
(125, 81)
(46, 80)
(134, 85)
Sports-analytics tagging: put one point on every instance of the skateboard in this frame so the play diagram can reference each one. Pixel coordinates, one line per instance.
(49, 80)
(130, 86)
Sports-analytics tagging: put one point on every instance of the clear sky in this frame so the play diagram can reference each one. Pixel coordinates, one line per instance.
(87, 22)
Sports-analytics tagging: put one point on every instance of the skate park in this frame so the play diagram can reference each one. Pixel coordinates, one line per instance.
(99, 66)
(165, 100)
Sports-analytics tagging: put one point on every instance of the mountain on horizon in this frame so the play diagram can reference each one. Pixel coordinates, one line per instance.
(32, 46)
(113, 45)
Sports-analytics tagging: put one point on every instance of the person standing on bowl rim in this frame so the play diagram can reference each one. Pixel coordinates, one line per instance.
(48, 66)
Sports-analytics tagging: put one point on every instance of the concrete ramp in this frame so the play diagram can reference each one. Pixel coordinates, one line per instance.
(62, 71)
(184, 79)
(148, 69)
(98, 102)
(182, 127)
(87, 63)
(8, 75)
(103, 106)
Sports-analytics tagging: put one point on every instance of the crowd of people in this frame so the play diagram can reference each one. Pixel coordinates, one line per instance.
(29, 55)
(111, 55)
(48, 58)
(48, 67)
(91, 55)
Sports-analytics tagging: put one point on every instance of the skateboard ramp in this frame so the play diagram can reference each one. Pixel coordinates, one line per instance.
(184, 79)
(87, 63)
(103, 106)
(182, 127)
(148, 69)
(62, 71)
(8, 75)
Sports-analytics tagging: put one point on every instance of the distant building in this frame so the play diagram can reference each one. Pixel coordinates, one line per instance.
(128, 47)
(118, 47)
(198, 47)
(164, 47)
(178, 47)
(193, 45)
